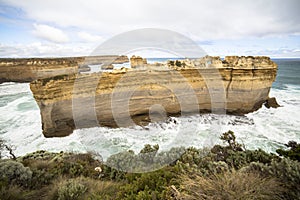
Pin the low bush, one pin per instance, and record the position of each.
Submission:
(293, 152)
(222, 172)
(83, 188)
(286, 171)
(151, 185)
(14, 173)
(69, 189)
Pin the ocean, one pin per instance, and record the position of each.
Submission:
(268, 129)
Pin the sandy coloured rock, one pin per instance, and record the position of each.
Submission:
(29, 69)
(235, 85)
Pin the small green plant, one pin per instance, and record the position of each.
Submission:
(148, 153)
(171, 63)
(286, 171)
(229, 137)
(58, 77)
(293, 152)
(70, 190)
(178, 63)
(129, 161)
(151, 185)
(47, 166)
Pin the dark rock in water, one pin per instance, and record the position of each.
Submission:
(84, 68)
(271, 103)
(106, 67)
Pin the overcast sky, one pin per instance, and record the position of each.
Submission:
(228, 27)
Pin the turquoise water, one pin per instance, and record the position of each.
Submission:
(20, 123)
(288, 73)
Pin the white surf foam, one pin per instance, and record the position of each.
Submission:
(20, 125)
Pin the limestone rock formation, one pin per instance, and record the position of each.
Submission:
(237, 85)
(29, 69)
(137, 61)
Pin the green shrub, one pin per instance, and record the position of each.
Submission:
(293, 152)
(170, 157)
(40, 178)
(259, 156)
(229, 137)
(145, 195)
(46, 166)
(235, 155)
(40, 155)
(123, 161)
(151, 185)
(15, 172)
(74, 165)
(69, 190)
(148, 153)
(128, 161)
(83, 188)
(191, 156)
(213, 168)
(171, 63)
(110, 173)
(286, 171)
(178, 63)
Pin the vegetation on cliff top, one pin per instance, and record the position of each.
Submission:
(222, 172)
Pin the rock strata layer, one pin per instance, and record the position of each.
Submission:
(29, 69)
(236, 85)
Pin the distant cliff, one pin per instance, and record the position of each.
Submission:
(29, 69)
(65, 101)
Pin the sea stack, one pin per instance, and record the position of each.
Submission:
(185, 87)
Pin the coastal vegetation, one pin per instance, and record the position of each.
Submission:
(227, 171)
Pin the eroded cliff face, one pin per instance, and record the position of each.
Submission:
(237, 85)
(137, 61)
(29, 69)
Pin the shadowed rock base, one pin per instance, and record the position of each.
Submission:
(271, 103)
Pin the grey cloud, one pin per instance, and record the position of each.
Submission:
(205, 20)
(43, 50)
